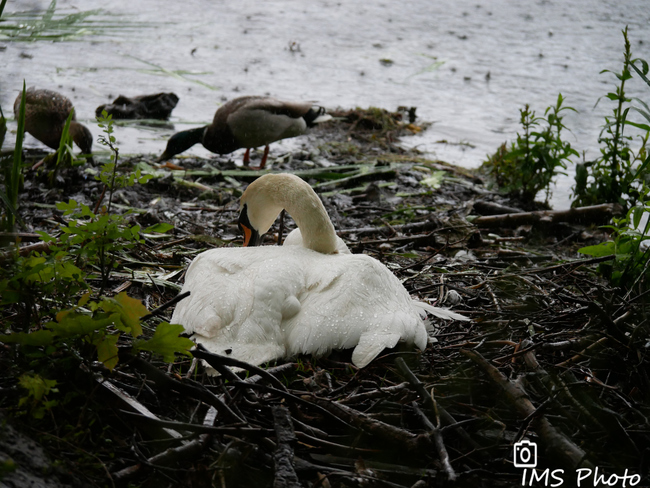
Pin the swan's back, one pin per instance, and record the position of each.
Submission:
(265, 303)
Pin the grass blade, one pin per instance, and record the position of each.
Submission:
(12, 175)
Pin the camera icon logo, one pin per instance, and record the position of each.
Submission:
(525, 454)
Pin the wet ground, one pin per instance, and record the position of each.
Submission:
(468, 66)
(543, 322)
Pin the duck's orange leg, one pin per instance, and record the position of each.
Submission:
(247, 156)
(266, 155)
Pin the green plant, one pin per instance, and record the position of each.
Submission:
(99, 236)
(45, 287)
(618, 175)
(100, 324)
(88, 244)
(12, 171)
(39, 284)
(37, 390)
(47, 25)
(529, 165)
(629, 245)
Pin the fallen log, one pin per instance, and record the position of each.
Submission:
(556, 443)
(595, 214)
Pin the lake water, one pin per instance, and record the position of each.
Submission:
(468, 66)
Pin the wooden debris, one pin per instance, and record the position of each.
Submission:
(596, 214)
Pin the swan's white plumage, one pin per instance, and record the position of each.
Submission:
(257, 304)
(294, 238)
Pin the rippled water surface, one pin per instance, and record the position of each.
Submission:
(468, 66)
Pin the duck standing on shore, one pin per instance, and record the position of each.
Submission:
(310, 296)
(248, 122)
(46, 112)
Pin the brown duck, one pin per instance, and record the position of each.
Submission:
(248, 122)
(46, 112)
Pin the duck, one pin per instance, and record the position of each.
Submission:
(310, 296)
(46, 112)
(248, 122)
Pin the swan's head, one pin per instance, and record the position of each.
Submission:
(265, 198)
(259, 207)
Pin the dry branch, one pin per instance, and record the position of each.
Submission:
(187, 387)
(407, 441)
(285, 474)
(556, 443)
(595, 214)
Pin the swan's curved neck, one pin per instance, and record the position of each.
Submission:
(268, 195)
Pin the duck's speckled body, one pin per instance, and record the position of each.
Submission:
(46, 112)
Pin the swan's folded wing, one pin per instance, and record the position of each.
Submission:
(238, 300)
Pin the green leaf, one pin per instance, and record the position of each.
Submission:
(107, 350)
(160, 228)
(645, 127)
(637, 214)
(39, 338)
(84, 299)
(599, 250)
(37, 387)
(434, 181)
(130, 311)
(70, 323)
(166, 342)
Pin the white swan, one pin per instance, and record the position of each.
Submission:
(309, 296)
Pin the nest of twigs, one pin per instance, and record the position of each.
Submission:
(552, 355)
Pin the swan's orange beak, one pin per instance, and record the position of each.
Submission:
(248, 233)
(251, 236)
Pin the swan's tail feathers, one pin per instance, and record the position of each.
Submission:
(441, 313)
(370, 345)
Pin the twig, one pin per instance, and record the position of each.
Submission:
(165, 306)
(231, 430)
(285, 474)
(186, 387)
(407, 440)
(581, 355)
(438, 442)
(191, 450)
(215, 360)
(378, 393)
(294, 398)
(434, 429)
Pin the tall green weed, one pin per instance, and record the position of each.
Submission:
(529, 165)
(11, 168)
(620, 173)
